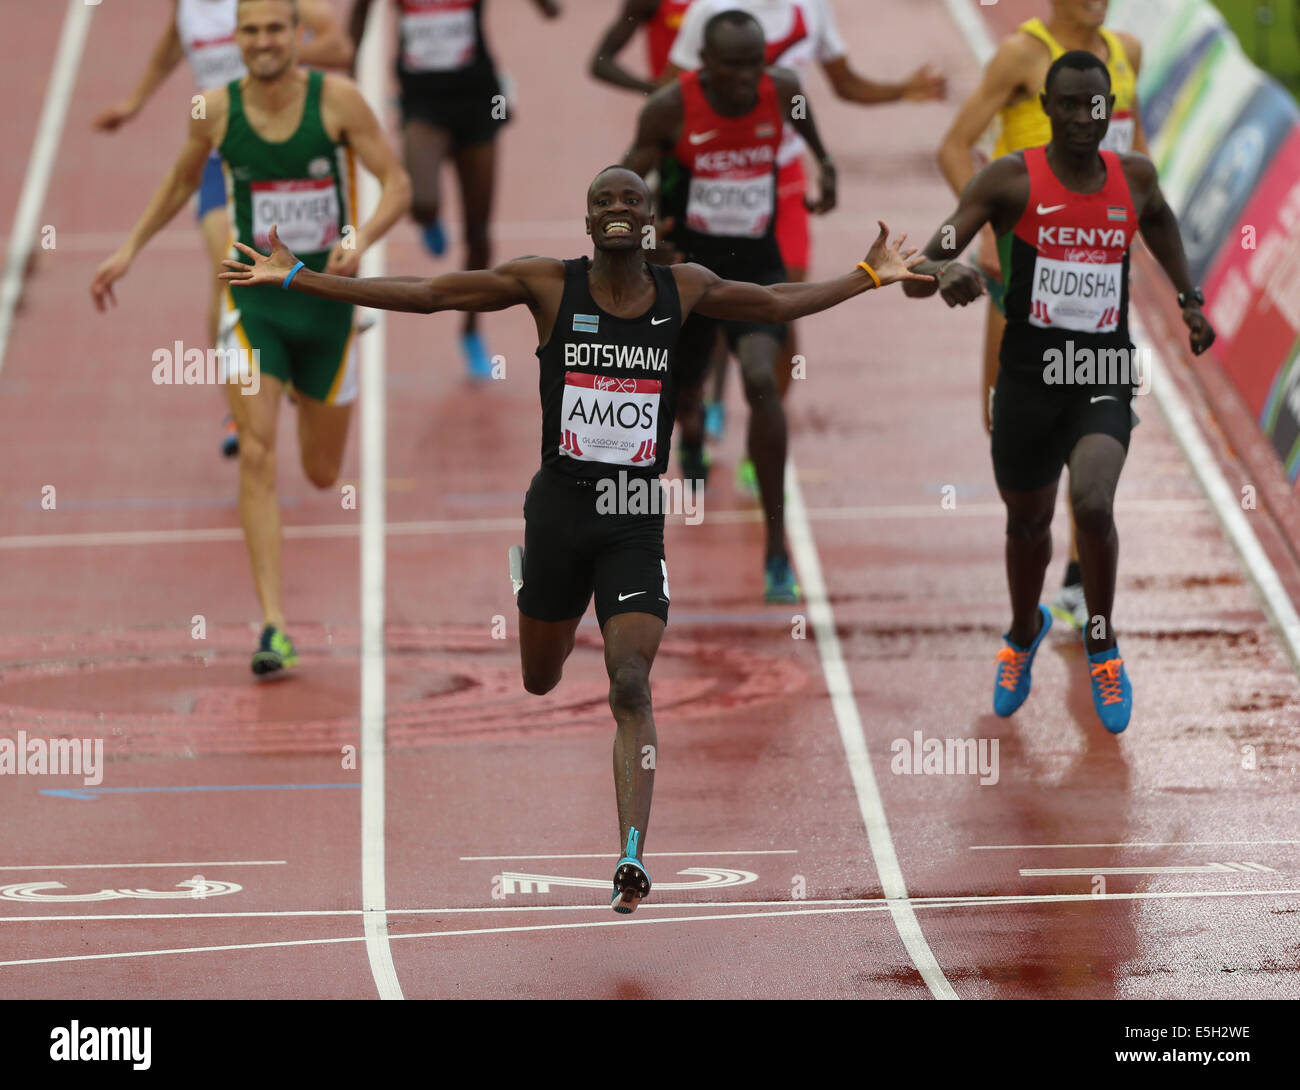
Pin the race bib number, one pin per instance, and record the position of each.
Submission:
(1077, 295)
(305, 213)
(216, 63)
(442, 40)
(1119, 137)
(610, 419)
(732, 207)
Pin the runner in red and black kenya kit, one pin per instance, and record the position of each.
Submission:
(1067, 370)
(607, 327)
(724, 125)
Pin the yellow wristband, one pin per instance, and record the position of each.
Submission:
(870, 272)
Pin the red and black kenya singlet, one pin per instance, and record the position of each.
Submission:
(1069, 263)
(728, 199)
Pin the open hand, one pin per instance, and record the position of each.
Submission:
(101, 288)
(266, 268)
(891, 262)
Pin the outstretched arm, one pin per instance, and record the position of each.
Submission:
(707, 294)
(168, 199)
(329, 46)
(604, 63)
(993, 190)
(799, 112)
(166, 55)
(508, 285)
(1159, 227)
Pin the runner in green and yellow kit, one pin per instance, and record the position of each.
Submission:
(287, 137)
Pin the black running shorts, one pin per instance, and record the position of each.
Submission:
(579, 538)
(1036, 425)
(699, 333)
(470, 119)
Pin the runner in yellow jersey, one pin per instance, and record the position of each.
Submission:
(1009, 93)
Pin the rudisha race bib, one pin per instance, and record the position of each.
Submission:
(305, 213)
(610, 419)
(438, 39)
(1078, 284)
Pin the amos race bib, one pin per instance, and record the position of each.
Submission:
(438, 36)
(305, 213)
(610, 419)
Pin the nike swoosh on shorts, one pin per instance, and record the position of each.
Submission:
(625, 597)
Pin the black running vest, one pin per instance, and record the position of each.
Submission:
(608, 385)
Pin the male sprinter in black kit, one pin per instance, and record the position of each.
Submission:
(607, 328)
(1072, 211)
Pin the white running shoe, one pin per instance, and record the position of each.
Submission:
(517, 567)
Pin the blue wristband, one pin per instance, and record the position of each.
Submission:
(292, 273)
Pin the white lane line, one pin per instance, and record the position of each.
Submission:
(1132, 844)
(512, 525)
(845, 707)
(614, 855)
(1226, 503)
(1197, 868)
(373, 486)
(132, 866)
(49, 131)
(837, 908)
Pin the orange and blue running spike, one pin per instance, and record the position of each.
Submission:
(631, 879)
(1112, 694)
(1014, 666)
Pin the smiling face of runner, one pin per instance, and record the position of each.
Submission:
(618, 210)
(733, 61)
(1086, 14)
(1073, 98)
(267, 33)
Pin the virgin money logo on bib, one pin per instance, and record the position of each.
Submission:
(610, 419)
(304, 212)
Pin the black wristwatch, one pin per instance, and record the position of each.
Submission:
(1194, 296)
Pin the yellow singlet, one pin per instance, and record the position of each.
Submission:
(1024, 125)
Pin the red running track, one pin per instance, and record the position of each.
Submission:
(499, 806)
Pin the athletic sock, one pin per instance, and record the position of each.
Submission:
(1073, 577)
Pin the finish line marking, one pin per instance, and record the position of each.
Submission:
(875, 906)
(614, 855)
(1203, 868)
(879, 905)
(131, 866)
